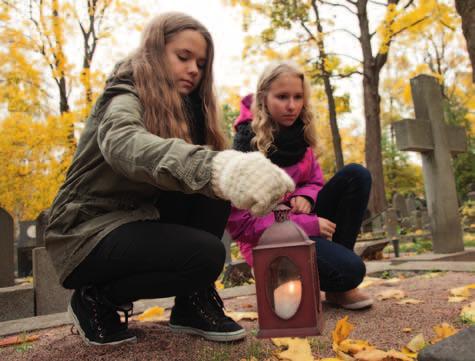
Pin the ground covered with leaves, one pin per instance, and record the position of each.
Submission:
(411, 310)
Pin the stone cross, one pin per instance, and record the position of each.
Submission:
(6, 249)
(436, 141)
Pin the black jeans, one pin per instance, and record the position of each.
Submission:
(343, 200)
(180, 253)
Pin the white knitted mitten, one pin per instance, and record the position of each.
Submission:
(249, 180)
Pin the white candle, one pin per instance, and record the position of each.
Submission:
(287, 299)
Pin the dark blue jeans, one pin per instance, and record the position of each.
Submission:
(343, 200)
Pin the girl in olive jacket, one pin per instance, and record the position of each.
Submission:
(146, 199)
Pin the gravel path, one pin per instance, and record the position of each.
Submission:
(382, 325)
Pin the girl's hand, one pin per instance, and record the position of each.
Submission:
(300, 204)
(249, 180)
(327, 228)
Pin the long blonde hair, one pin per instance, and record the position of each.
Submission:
(262, 124)
(165, 113)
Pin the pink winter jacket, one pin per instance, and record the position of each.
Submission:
(246, 229)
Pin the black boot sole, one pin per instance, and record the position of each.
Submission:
(77, 325)
(209, 335)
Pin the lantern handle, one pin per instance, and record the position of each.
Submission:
(281, 213)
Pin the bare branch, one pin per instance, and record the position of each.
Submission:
(409, 3)
(348, 32)
(377, 3)
(347, 56)
(339, 5)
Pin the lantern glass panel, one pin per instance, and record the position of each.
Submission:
(284, 287)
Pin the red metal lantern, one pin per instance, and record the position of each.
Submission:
(287, 285)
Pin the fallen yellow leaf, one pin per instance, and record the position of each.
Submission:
(409, 301)
(298, 349)
(342, 330)
(471, 286)
(460, 292)
(432, 274)
(371, 355)
(408, 352)
(154, 313)
(407, 329)
(369, 281)
(352, 347)
(392, 281)
(468, 312)
(455, 299)
(238, 316)
(329, 359)
(417, 343)
(219, 285)
(343, 356)
(398, 356)
(442, 331)
(396, 294)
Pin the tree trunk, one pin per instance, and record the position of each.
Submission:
(339, 161)
(466, 9)
(336, 139)
(373, 152)
(373, 149)
(63, 96)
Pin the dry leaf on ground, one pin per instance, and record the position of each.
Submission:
(398, 356)
(409, 301)
(417, 343)
(468, 312)
(352, 347)
(152, 314)
(342, 330)
(15, 340)
(442, 331)
(396, 294)
(369, 281)
(298, 349)
(238, 316)
(460, 292)
(407, 329)
(392, 281)
(219, 285)
(371, 355)
(455, 299)
(432, 275)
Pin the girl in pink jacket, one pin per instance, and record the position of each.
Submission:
(281, 126)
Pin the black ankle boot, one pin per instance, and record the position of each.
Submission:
(202, 314)
(96, 318)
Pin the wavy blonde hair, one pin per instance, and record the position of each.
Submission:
(262, 124)
(165, 112)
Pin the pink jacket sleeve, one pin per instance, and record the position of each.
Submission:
(310, 186)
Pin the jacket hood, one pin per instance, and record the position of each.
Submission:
(245, 114)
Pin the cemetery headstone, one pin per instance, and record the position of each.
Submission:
(50, 296)
(411, 204)
(6, 247)
(436, 141)
(25, 244)
(391, 224)
(458, 347)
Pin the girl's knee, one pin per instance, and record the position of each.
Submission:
(357, 272)
(358, 171)
(214, 257)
